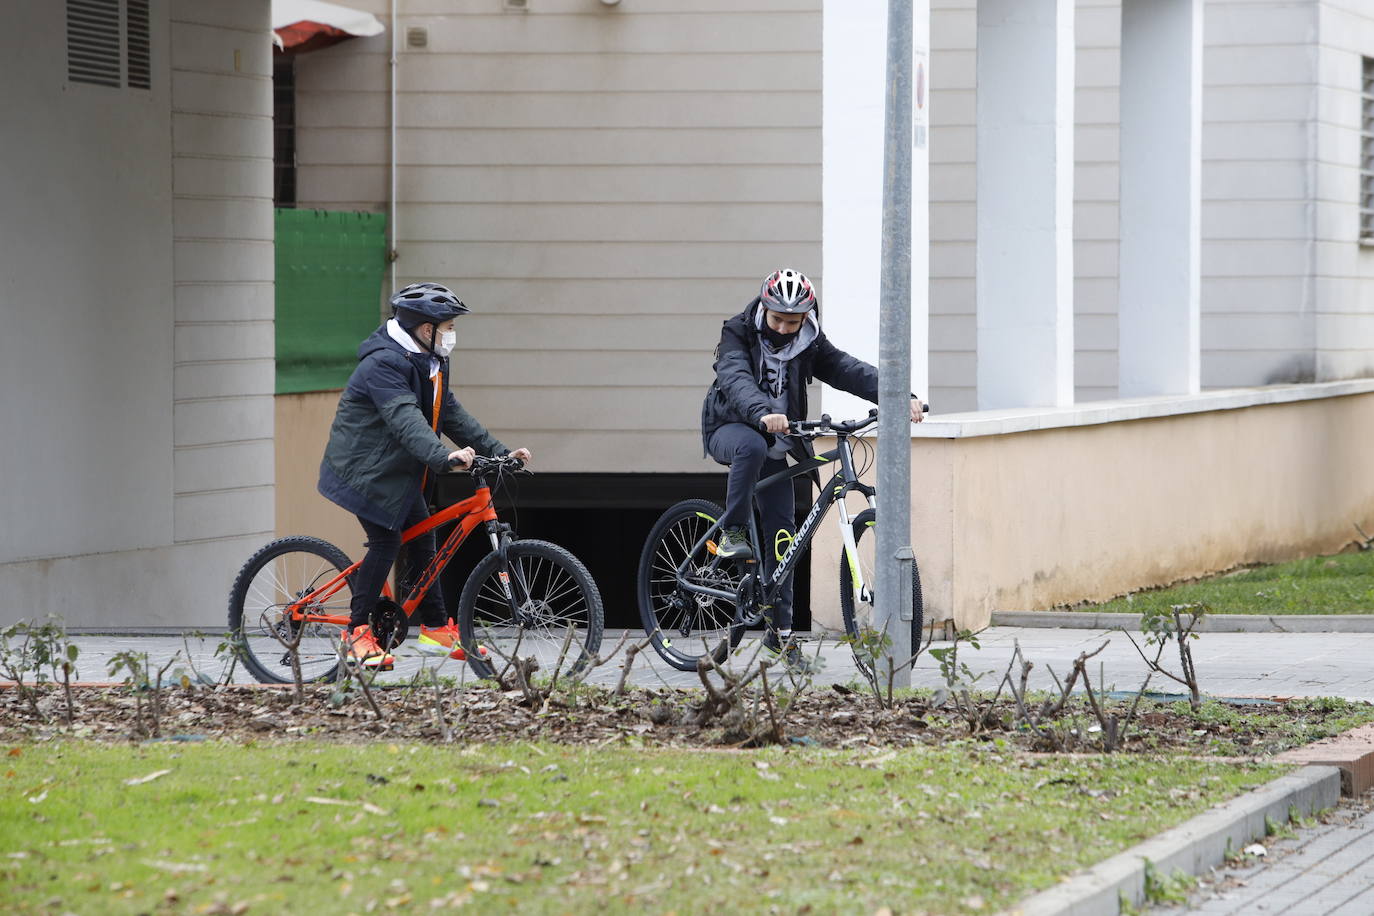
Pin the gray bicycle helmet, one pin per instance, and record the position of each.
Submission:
(421, 302)
(787, 291)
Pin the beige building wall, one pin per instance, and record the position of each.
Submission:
(1031, 520)
(602, 184)
(302, 423)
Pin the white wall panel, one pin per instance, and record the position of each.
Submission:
(86, 295)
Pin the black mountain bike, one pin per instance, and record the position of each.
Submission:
(693, 603)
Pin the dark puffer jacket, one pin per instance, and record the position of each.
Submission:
(738, 395)
(383, 435)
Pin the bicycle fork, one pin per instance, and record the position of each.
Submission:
(515, 591)
(862, 593)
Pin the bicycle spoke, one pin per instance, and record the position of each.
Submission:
(288, 573)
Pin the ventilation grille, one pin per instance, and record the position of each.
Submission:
(140, 74)
(108, 43)
(1367, 153)
(93, 42)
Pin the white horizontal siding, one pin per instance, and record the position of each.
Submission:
(1262, 132)
(469, 107)
(1344, 282)
(564, 146)
(223, 268)
(603, 185)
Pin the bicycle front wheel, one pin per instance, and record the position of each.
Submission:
(683, 625)
(552, 596)
(858, 611)
(280, 574)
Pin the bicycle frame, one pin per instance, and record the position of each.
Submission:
(844, 481)
(469, 513)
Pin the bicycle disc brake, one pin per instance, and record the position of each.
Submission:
(389, 624)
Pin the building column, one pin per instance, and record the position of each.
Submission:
(1161, 201)
(1025, 203)
(854, 91)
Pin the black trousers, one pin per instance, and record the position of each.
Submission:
(383, 547)
(745, 450)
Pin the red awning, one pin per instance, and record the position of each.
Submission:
(303, 25)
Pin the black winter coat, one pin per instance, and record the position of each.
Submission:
(383, 437)
(738, 394)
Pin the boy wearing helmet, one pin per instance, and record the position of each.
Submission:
(766, 357)
(384, 447)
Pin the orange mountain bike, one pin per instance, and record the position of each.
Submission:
(523, 598)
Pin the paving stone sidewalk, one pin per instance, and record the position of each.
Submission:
(1324, 870)
(1228, 664)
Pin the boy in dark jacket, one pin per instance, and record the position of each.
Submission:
(767, 356)
(383, 447)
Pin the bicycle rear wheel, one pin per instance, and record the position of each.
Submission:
(858, 614)
(684, 626)
(281, 573)
(554, 594)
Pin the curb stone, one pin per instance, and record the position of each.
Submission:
(1352, 751)
(1191, 847)
(1212, 623)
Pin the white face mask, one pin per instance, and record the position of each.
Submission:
(447, 340)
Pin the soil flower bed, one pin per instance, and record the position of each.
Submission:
(838, 716)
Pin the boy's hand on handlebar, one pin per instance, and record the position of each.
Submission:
(461, 459)
(775, 423)
(523, 454)
(918, 410)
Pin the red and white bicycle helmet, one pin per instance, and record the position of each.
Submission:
(788, 291)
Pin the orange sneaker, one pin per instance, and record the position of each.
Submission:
(360, 648)
(444, 641)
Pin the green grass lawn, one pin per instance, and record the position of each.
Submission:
(307, 827)
(1341, 584)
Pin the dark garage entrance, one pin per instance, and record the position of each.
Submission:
(603, 519)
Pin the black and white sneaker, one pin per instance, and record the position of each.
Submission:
(734, 545)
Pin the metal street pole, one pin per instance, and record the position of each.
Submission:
(894, 355)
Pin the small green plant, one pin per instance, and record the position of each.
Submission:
(191, 675)
(1178, 624)
(1164, 889)
(141, 679)
(959, 678)
(1281, 829)
(34, 651)
(955, 673)
(869, 646)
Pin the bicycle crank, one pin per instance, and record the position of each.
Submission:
(390, 625)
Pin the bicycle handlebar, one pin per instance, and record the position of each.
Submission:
(483, 466)
(826, 425)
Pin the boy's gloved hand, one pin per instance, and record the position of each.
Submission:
(775, 423)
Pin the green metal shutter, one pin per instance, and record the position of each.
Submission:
(330, 268)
